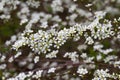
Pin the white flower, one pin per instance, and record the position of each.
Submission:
(33, 3)
(96, 79)
(72, 7)
(72, 55)
(2, 5)
(88, 5)
(57, 5)
(18, 54)
(51, 70)
(38, 74)
(100, 14)
(117, 64)
(52, 54)
(89, 40)
(19, 43)
(10, 59)
(106, 51)
(3, 66)
(21, 76)
(89, 60)
(99, 57)
(110, 58)
(2, 59)
(82, 71)
(74, 0)
(97, 46)
(23, 21)
(83, 55)
(44, 24)
(36, 59)
(7, 43)
(102, 74)
(82, 47)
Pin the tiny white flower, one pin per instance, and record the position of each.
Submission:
(51, 70)
(36, 59)
(82, 71)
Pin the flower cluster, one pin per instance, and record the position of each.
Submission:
(60, 40)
